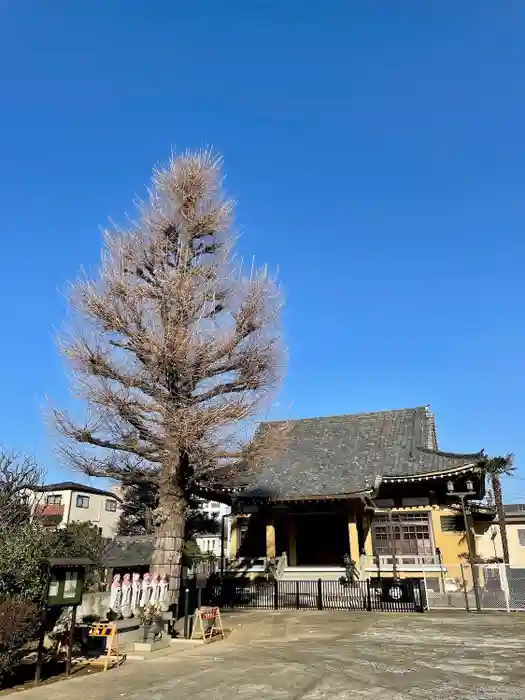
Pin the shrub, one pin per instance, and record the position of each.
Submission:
(23, 552)
(19, 624)
(81, 539)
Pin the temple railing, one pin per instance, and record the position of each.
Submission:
(282, 563)
(406, 562)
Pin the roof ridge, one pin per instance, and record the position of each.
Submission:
(346, 415)
(442, 453)
(65, 483)
(430, 428)
(77, 486)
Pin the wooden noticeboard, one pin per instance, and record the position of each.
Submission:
(208, 624)
(66, 586)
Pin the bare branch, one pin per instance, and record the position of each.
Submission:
(19, 476)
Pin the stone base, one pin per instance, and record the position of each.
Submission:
(163, 643)
(180, 641)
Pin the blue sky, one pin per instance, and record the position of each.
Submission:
(377, 152)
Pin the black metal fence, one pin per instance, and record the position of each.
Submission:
(407, 595)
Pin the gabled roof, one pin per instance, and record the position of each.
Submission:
(128, 551)
(514, 513)
(73, 486)
(350, 454)
(510, 508)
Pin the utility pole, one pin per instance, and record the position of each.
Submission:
(392, 533)
(462, 495)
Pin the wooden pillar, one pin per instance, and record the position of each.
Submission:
(292, 540)
(270, 539)
(233, 539)
(367, 531)
(353, 539)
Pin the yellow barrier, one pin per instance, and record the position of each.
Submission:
(109, 631)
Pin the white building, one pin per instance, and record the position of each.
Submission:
(210, 543)
(214, 509)
(57, 505)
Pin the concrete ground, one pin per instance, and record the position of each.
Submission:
(337, 655)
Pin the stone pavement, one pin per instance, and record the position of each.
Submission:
(337, 655)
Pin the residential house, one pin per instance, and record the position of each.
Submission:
(56, 505)
(488, 538)
(366, 485)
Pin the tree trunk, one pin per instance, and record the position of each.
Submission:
(169, 538)
(498, 500)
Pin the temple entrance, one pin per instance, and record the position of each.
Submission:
(322, 540)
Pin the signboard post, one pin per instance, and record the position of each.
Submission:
(64, 588)
(208, 623)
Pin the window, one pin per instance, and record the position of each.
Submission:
(407, 533)
(521, 537)
(111, 506)
(452, 523)
(82, 501)
(54, 499)
(420, 516)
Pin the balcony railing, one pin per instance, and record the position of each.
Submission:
(49, 511)
(404, 562)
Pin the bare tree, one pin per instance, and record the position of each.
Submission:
(176, 352)
(19, 476)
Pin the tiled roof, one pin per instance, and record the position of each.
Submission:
(510, 508)
(347, 454)
(514, 513)
(128, 552)
(81, 488)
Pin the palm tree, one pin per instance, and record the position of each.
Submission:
(495, 468)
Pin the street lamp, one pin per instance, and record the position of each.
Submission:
(470, 488)
(462, 495)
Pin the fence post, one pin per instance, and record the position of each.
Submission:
(477, 596)
(464, 588)
(426, 589)
(297, 601)
(186, 612)
(423, 598)
(276, 594)
(504, 584)
(71, 636)
(199, 597)
(319, 594)
(368, 596)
